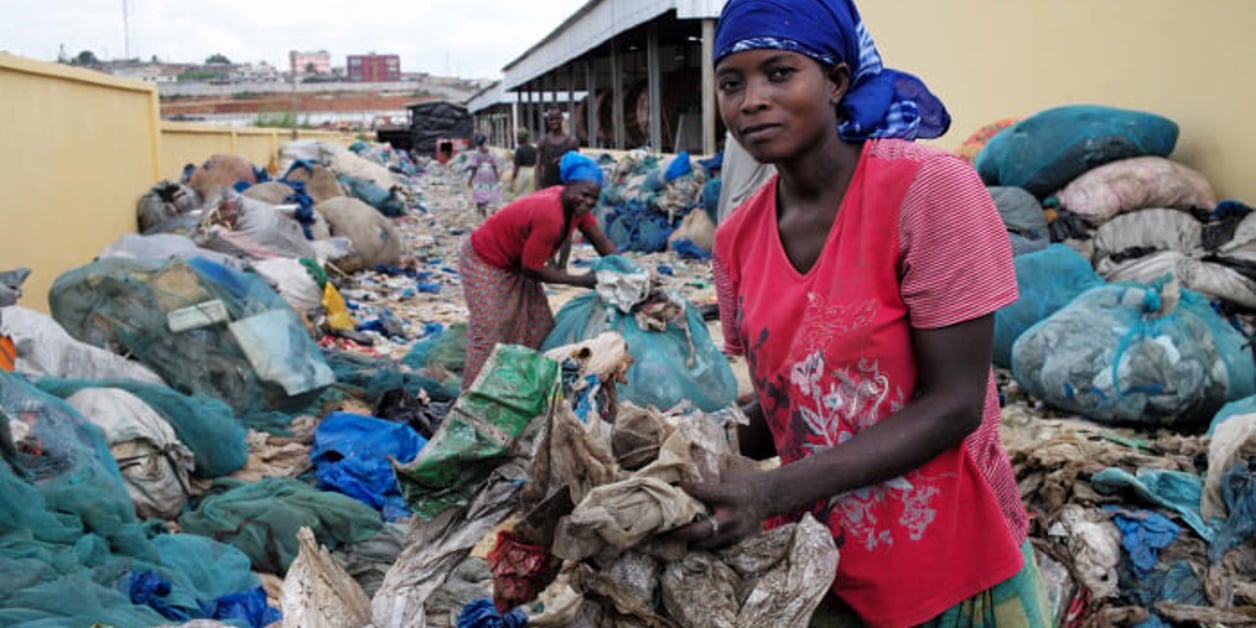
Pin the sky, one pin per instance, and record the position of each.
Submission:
(466, 38)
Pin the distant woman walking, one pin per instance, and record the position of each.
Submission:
(485, 179)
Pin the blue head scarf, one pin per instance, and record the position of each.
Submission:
(880, 102)
(576, 167)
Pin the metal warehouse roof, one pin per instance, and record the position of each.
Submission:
(594, 24)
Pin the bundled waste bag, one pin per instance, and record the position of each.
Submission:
(352, 455)
(674, 359)
(42, 347)
(375, 240)
(1133, 184)
(251, 349)
(217, 439)
(164, 201)
(1023, 217)
(262, 519)
(154, 464)
(1214, 258)
(1149, 354)
(1046, 151)
(239, 225)
(388, 202)
(1047, 280)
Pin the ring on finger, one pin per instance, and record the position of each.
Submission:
(715, 524)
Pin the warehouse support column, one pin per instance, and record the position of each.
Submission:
(572, 122)
(590, 101)
(708, 88)
(617, 96)
(655, 86)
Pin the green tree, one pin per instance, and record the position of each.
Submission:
(85, 57)
(217, 57)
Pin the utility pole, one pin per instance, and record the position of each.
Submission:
(126, 33)
(292, 61)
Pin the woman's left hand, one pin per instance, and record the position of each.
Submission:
(737, 507)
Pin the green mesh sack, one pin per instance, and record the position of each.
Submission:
(444, 353)
(261, 519)
(482, 430)
(70, 542)
(205, 425)
(205, 328)
(375, 376)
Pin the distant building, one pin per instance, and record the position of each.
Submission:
(148, 72)
(259, 73)
(312, 62)
(373, 68)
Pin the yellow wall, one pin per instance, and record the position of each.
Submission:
(993, 59)
(81, 147)
(191, 143)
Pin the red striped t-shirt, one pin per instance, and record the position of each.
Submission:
(917, 243)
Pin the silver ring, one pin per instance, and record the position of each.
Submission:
(715, 524)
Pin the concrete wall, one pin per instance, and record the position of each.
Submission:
(993, 59)
(81, 147)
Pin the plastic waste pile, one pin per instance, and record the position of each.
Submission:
(1131, 336)
(644, 202)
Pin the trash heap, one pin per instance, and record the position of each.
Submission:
(576, 512)
(162, 432)
(1134, 314)
(227, 389)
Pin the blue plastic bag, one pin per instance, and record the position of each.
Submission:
(351, 456)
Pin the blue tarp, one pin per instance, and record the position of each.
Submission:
(351, 456)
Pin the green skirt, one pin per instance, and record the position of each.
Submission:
(1018, 601)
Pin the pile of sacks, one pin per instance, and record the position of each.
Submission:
(647, 207)
(1133, 314)
(1129, 317)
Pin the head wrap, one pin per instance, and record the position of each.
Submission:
(480, 139)
(576, 167)
(880, 102)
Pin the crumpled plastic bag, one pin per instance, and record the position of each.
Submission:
(621, 515)
(1233, 441)
(1096, 545)
(317, 593)
(621, 282)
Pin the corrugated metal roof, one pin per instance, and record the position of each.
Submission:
(591, 26)
(496, 94)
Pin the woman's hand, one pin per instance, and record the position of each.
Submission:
(736, 509)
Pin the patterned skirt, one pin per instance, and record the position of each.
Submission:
(505, 307)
